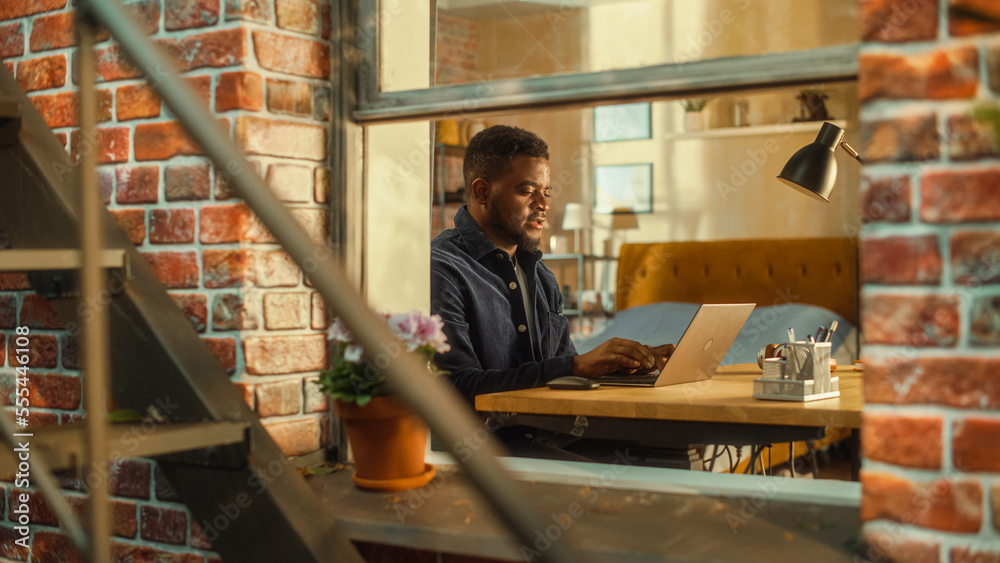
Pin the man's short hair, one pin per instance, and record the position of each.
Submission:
(491, 151)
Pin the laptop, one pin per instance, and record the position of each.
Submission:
(700, 350)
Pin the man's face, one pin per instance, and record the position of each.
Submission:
(517, 204)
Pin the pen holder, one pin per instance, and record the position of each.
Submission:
(800, 373)
(807, 360)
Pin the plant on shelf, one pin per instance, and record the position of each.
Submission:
(387, 439)
(694, 119)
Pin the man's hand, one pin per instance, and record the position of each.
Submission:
(662, 353)
(620, 356)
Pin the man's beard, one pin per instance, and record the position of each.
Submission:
(511, 230)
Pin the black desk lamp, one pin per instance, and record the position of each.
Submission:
(813, 169)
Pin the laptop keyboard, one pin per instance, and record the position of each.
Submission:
(629, 378)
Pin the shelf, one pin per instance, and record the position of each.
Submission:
(722, 132)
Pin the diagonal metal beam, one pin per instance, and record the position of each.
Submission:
(445, 413)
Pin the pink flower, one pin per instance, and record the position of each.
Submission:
(416, 329)
(353, 353)
(339, 332)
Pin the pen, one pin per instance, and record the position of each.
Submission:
(819, 334)
(791, 334)
(812, 339)
(829, 333)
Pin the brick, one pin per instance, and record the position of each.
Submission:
(168, 226)
(37, 312)
(136, 102)
(43, 351)
(132, 553)
(228, 268)
(970, 138)
(161, 141)
(11, 40)
(321, 185)
(195, 307)
(993, 66)
(239, 90)
(910, 320)
(12, 550)
(186, 14)
(291, 182)
(984, 330)
(969, 448)
(14, 281)
(275, 269)
(902, 139)
(230, 223)
(974, 257)
(279, 398)
(70, 352)
(249, 10)
(944, 504)
(272, 137)
(901, 260)
(315, 399)
(315, 222)
(224, 350)
(130, 478)
(298, 15)
(213, 49)
(276, 355)
(133, 222)
(198, 539)
(56, 31)
(292, 55)
(11, 9)
(123, 519)
(231, 311)
(949, 196)
(961, 554)
(42, 419)
(175, 270)
(38, 510)
(326, 22)
(8, 312)
(972, 17)
(291, 97)
(907, 441)
(111, 144)
(137, 184)
(60, 109)
(106, 182)
(10, 67)
(995, 502)
(939, 74)
(162, 524)
(884, 546)
(112, 65)
(295, 437)
(885, 199)
(52, 547)
(145, 14)
(187, 182)
(286, 310)
(42, 73)
(960, 382)
(897, 21)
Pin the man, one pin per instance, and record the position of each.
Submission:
(501, 306)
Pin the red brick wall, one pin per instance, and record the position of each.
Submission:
(930, 268)
(457, 45)
(263, 67)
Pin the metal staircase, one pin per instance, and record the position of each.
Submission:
(210, 445)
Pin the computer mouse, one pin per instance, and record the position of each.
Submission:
(573, 382)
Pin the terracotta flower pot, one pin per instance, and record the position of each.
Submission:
(388, 441)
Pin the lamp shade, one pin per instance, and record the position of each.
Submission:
(576, 216)
(813, 169)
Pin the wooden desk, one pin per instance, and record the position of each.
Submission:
(720, 410)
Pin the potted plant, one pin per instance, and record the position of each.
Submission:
(388, 440)
(694, 119)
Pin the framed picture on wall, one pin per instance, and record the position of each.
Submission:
(624, 122)
(623, 187)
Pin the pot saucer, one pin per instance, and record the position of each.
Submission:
(401, 484)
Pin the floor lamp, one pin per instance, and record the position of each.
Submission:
(576, 217)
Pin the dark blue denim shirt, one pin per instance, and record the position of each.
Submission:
(473, 288)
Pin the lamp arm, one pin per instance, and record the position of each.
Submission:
(850, 150)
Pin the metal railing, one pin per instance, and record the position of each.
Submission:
(442, 409)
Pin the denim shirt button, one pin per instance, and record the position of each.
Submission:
(513, 285)
(521, 328)
(500, 255)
